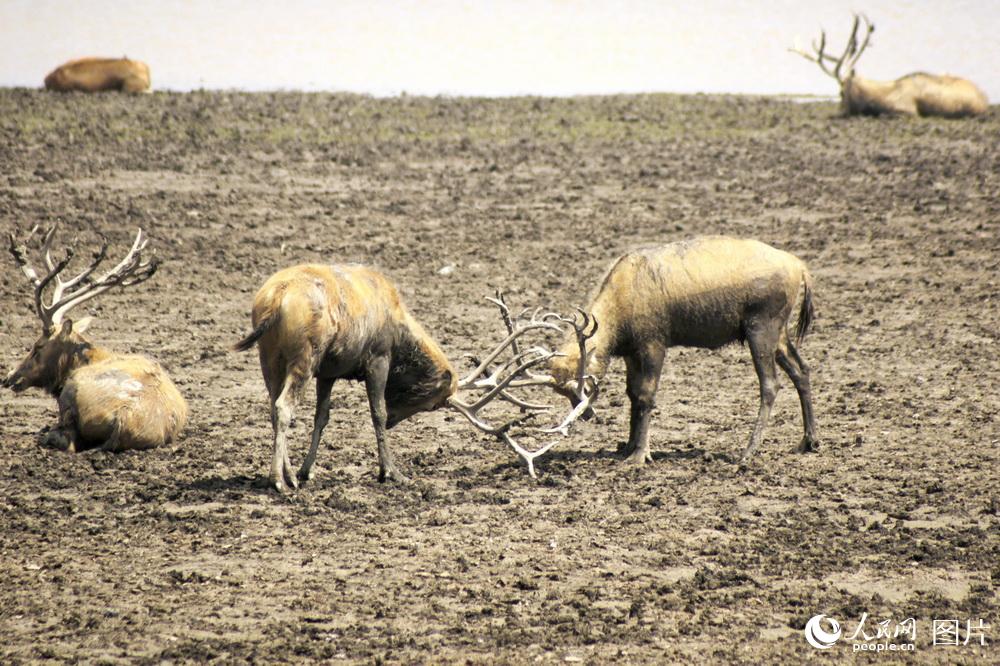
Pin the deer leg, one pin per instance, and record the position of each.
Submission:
(642, 378)
(796, 369)
(112, 444)
(65, 436)
(282, 412)
(62, 439)
(375, 380)
(762, 343)
(323, 388)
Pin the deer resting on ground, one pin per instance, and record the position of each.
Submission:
(349, 322)
(914, 94)
(107, 401)
(98, 75)
(706, 292)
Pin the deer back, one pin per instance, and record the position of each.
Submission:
(693, 293)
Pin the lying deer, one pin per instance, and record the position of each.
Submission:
(706, 292)
(349, 322)
(914, 94)
(98, 75)
(107, 401)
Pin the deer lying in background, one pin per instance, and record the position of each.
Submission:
(706, 292)
(914, 94)
(98, 75)
(348, 322)
(107, 401)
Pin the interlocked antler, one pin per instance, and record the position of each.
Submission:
(129, 271)
(852, 52)
(517, 372)
(584, 329)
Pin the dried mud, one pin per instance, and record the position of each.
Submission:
(186, 555)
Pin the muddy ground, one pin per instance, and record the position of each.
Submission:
(186, 554)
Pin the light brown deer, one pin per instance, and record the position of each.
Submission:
(914, 94)
(706, 292)
(107, 401)
(349, 322)
(98, 75)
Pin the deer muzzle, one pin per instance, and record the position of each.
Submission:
(14, 381)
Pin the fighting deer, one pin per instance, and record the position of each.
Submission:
(98, 75)
(706, 292)
(349, 322)
(914, 94)
(107, 401)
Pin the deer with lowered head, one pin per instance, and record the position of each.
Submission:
(917, 94)
(348, 321)
(107, 401)
(707, 292)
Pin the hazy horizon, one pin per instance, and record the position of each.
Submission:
(490, 48)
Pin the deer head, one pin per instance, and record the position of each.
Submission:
(843, 67)
(496, 380)
(60, 347)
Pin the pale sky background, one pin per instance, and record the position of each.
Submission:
(493, 47)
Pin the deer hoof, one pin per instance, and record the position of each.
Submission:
(57, 439)
(392, 474)
(289, 476)
(639, 458)
(808, 445)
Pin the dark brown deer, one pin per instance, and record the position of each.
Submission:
(106, 401)
(349, 322)
(914, 94)
(706, 292)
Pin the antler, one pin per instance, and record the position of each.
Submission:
(129, 271)
(584, 329)
(516, 372)
(854, 49)
(852, 52)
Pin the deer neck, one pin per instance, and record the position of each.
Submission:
(86, 353)
(80, 353)
(598, 348)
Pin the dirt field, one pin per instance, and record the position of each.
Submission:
(187, 555)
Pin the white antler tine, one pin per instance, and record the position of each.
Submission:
(47, 247)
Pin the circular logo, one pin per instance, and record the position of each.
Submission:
(819, 637)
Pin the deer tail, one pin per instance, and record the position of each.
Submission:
(807, 313)
(263, 327)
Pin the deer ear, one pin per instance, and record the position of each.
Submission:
(66, 328)
(82, 325)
